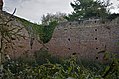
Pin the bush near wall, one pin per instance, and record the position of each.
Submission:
(67, 69)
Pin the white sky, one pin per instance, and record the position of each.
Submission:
(34, 9)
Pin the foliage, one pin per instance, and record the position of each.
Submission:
(113, 16)
(42, 33)
(43, 56)
(85, 9)
(47, 31)
(9, 32)
(31, 27)
(59, 17)
(68, 68)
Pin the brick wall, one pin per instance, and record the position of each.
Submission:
(86, 38)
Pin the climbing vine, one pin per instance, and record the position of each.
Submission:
(42, 32)
(47, 31)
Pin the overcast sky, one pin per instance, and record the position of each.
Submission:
(33, 9)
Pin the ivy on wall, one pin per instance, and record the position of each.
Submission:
(43, 32)
(47, 31)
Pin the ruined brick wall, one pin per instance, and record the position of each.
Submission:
(21, 46)
(86, 38)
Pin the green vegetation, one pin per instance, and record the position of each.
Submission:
(8, 33)
(59, 17)
(47, 31)
(60, 70)
(43, 57)
(42, 32)
(113, 16)
(85, 9)
(37, 29)
(45, 66)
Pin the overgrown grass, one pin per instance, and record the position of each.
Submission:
(45, 66)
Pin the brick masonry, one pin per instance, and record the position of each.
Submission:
(86, 38)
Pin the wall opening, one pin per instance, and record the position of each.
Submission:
(96, 29)
(95, 38)
(96, 48)
(103, 22)
(68, 39)
(73, 53)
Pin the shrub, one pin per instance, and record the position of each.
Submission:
(43, 56)
(68, 69)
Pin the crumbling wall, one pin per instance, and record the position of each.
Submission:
(86, 38)
(20, 46)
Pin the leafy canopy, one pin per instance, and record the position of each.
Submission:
(85, 9)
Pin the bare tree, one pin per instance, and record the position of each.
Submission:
(1, 4)
(8, 33)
